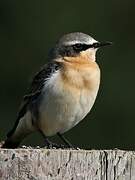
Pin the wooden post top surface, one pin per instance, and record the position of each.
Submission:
(45, 164)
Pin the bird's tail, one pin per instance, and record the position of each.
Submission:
(18, 133)
(14, 139)
(10, 144)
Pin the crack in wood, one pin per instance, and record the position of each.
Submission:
(42, 164)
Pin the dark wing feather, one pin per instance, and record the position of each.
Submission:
(35, 90)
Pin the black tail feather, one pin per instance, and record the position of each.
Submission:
(9, 144)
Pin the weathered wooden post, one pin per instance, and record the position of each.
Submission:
(44, 164)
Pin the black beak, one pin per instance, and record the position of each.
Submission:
(101, 44)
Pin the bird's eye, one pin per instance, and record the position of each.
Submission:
(78, 47)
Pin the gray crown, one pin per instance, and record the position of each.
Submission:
(75, 37)
(64, 45)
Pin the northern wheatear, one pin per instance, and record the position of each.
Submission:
(62, 92)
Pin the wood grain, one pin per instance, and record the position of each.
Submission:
(44, 164)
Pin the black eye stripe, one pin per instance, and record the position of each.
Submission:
(95, 45)
(73, 50)
(80, 47)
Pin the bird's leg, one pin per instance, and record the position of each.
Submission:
(68, 144)
(49, 144)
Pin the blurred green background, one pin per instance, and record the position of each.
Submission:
(28, 29)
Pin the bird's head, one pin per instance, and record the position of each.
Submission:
(77, 44)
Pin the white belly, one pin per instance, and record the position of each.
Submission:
(61, 108)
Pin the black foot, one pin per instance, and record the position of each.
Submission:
(68, 144)
(52, 145)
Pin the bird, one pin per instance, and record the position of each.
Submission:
(62, 93)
